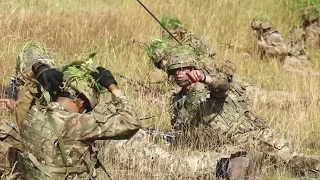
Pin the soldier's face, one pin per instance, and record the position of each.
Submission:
(177, 35)
(163, 63)
(182, 78)
(256, 33)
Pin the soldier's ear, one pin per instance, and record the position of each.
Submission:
(82, 103)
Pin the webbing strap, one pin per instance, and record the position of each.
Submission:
(60, 141)
(38, 165)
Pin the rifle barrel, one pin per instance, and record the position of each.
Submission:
(154, 17)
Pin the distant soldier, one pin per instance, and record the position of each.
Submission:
(207, 101)
(269, 41)
(298, 59)
(57, 139)
(311, 26)
(271, 44)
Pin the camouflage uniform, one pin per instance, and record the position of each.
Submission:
(222, 108)
(159, 49)
(271, 98)
(298, 59)
(272, 44)
(151, 158)
(10, 147)
(311, 27)
(29, 92)
(9, 131)
(44, 159)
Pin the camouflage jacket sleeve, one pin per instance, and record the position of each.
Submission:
(273, 44)
(26, 97)
(220, 84)
(115, 120)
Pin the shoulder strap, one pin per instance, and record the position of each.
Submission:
(270, 32)
(57, 133)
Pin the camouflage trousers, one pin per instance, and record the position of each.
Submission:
(273, 144)
(312, 35)
(299, 65)
(160, 163)
(5, 165)
(252, 133)
(10, 166)
(260, 96)
(10, 146)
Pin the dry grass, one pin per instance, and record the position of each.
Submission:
(75, 28)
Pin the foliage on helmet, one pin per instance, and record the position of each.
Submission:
(182, 57)
(156, 44)
(315, 3)
(30, 52)
(261, 21)
(313, 12)
(171, 22)
(79, 71)
(77, 77)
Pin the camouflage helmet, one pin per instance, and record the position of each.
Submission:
(31, 53)
(182, 60)
(156, 50)
(173, 24)
(77, 80)
(310, 13)
(260, 23)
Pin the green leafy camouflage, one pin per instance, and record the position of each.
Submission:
(156, 44)
(25, 60)
(314, 11)
(170, 47)
(79, 72)
(262, 16)
(171, 22)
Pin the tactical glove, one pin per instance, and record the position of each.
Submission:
(104, 77)
(49, 79)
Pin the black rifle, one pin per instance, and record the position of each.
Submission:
(168, 136)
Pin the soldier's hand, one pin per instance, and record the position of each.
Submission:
(7, 104)
(196, 76)
(49, 79)
(104, 77)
